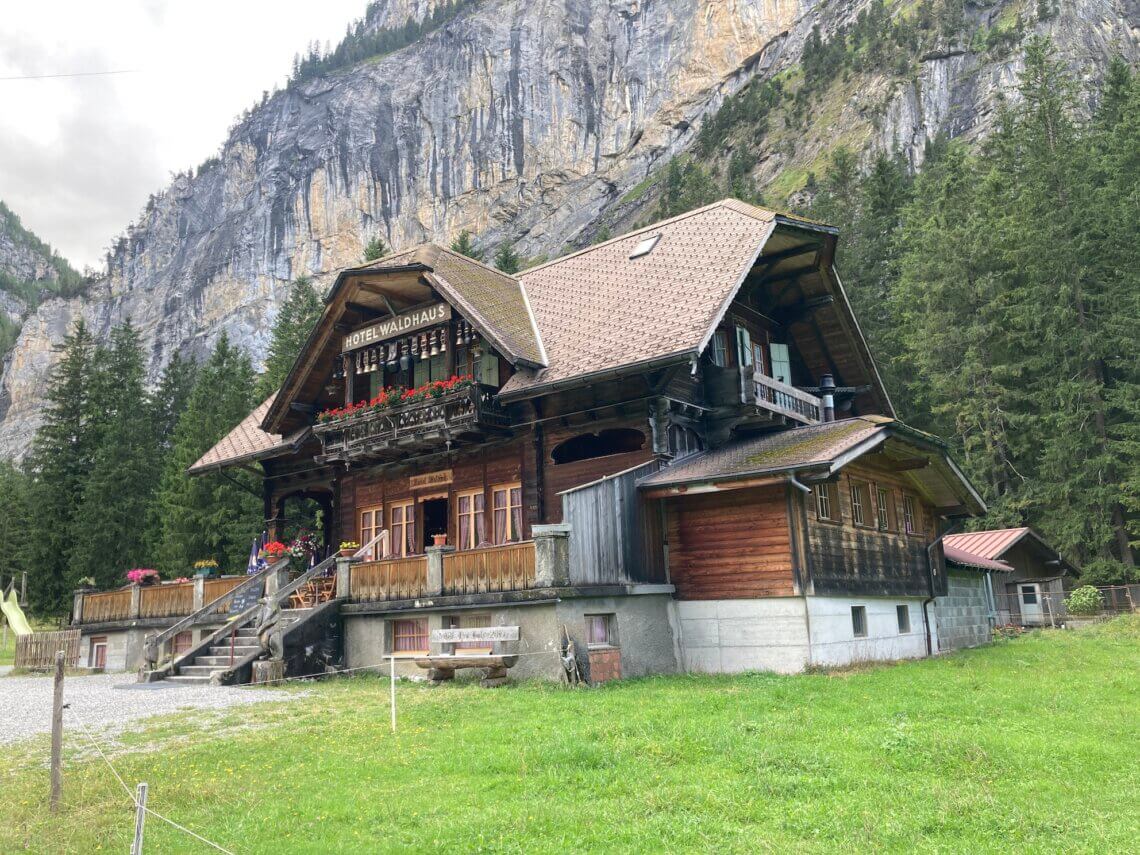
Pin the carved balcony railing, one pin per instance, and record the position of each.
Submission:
(771, 394)
(465, 415)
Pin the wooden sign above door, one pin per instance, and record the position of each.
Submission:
(430, 479)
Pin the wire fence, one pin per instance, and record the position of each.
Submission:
(1031, 604)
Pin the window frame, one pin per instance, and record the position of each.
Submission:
(608, 622)
(826, 490)
(97, 642)
(374, 528)
(859, 627)
(463, 621)
(470, 527)
(902, 617)
(719, 352)
(859, 508)
(416, 623)
(912, 515)
(403, 546)
(884, 509)
(517, 535)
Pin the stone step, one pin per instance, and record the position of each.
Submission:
(239, 650)
(216, 661)
(189, 681)
(198, 670)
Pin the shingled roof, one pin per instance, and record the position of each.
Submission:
(487, 297)
(812, 447)
(962, 558)
(818, 452)
(599, 309)
(248, 442)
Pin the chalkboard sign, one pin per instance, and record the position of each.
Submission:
(246, 597)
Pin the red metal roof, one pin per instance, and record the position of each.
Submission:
(967, 559)
(986, 544)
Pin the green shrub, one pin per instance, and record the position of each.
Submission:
(1085, 600)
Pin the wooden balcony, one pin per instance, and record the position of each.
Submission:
(468, 415)
(788, 401)
(107, 606)
(492, 570)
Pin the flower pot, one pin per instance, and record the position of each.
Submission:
(439, 539)
(347, 553)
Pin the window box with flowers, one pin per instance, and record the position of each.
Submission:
(206, 568)
(142, 576)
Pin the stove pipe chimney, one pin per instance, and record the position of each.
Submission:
(827, 394)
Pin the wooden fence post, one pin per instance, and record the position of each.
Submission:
(57, 732)
(140, 820)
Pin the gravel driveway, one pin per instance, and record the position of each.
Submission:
(106, 702)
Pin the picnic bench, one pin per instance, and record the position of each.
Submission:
(442, 666)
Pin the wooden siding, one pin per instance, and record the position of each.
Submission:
(499, 568)
(730, 545)
(615, 533)
(846, 559)
(214, 588)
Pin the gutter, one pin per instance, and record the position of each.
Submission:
(930, 582)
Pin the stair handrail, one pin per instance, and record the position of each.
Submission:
(276, 599)
(153, 642)
(361, 553)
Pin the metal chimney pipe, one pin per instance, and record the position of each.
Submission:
(827, 394)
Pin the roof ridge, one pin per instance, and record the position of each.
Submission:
(476, 262)
(720, 203)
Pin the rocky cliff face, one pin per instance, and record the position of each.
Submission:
(524, 121)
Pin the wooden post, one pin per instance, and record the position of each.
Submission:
(140, 820)
(57, 731)
(392, 661)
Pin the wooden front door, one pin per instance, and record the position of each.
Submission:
(98, 658)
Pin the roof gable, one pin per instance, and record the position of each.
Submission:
(248, 442)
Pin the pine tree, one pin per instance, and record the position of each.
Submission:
(291, 330)
(214, 515)
(374, 250)
(60, 461)
(465, 245)
(15, 522)
(109, 536)
(507, 260)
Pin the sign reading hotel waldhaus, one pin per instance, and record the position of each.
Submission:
(397, 325)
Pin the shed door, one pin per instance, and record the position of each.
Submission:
(1029, 598)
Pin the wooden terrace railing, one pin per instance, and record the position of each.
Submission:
(215, 588)
(497, 568)
(786, 400)
(108, 606)
(390, 579)
(159, 601)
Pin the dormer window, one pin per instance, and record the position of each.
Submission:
(644, 247)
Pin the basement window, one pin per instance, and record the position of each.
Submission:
(902, 612)
(859, 621)
(600, 631)
(644, 247)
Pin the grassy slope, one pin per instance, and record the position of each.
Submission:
(1029, 745)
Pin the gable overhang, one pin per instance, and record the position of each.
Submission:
(1050, 555)
(385, 290)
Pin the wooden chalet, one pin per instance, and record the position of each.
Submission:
(671, 450)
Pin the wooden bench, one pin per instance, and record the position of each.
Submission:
(442, 666)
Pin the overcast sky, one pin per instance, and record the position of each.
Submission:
(80, 155)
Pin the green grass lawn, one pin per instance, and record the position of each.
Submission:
(1028, 745)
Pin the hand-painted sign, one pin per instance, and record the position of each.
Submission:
(475, 633)
(430, 479)
(401, 324)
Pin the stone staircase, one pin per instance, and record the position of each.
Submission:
(220, 657)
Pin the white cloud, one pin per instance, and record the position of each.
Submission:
(79, 156)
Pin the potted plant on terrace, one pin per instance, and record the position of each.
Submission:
(142, 576)
(348, 548)
(439, 539)
(205, 568)
(273, 551)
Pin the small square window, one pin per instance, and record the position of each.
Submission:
(600, 631)
(410, 636)
(859, 621)
(903, 613)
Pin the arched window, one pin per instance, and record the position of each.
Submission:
(585, 446)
